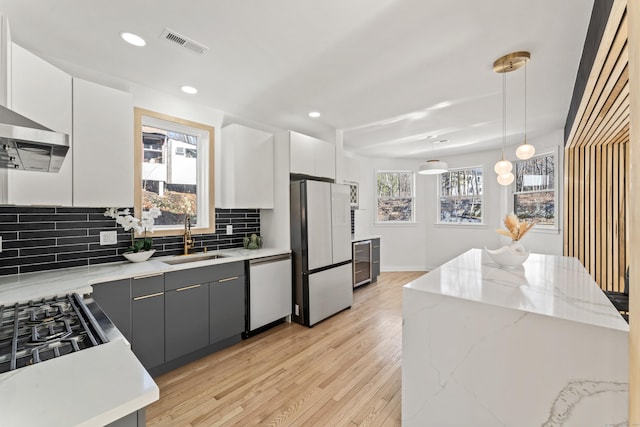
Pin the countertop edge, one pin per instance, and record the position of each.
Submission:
(22, 288)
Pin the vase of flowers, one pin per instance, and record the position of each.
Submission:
(141, 247)
(514, 254)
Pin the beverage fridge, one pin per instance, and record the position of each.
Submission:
(321, 246)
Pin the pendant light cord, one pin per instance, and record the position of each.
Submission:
(525, 102)
(504, 112)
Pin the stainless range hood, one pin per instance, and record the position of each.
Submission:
(27, 145)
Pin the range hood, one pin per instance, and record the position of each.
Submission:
(27, 145)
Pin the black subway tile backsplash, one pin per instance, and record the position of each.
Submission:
(49, 238)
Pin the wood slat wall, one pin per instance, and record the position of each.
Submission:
(597, 162)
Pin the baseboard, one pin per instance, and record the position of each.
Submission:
(405, 268)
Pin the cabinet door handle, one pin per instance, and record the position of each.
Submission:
(148, 296)
(376, 262)
(186, 288)
(227, 279)
(144, 276)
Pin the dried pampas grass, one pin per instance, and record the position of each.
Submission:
(515, 229)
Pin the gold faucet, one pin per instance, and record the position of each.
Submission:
(189, 243)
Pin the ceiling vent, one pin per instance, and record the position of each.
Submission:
(180, 40)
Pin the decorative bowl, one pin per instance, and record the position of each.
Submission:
(139, 256)
(508, 256)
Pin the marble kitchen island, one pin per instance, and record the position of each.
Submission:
(540, 345)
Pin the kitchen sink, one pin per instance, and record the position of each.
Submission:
(183, 259)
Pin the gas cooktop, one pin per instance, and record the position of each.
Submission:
(40, 330)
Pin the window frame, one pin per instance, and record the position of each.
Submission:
(413, 197)
(556, 208)
(206, 171)
(439, 222)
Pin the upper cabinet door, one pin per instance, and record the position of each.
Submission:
(42, 93)
(247, 168)
(311, 156)
(302, 154)
(102, 146)
(325, 159)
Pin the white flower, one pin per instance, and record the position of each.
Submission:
(129, 222)
(111, 212)
(147, 222)
(155, 212)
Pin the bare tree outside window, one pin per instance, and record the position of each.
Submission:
(461, 196)
(534, 194)
(395, 193)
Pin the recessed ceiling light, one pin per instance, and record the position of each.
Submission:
(189, 89)
(314, 114)
(442, 141)
(133, 39)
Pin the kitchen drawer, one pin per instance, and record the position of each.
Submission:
(177, 279)
(226, 271)
(147, 285)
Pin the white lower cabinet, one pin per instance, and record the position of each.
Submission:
(42, 93)
(102, 145)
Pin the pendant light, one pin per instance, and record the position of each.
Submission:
(506, 64)
(433, 167)
(525, 150)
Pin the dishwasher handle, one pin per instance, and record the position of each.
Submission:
(265, 260)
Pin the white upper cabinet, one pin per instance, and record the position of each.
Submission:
(311, 156)
(5, 61)
(102, 146)
(246, 168)
(42, 93)
(351, 169)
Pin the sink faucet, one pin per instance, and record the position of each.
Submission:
(189, 243)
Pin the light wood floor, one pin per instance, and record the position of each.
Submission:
(345, 371)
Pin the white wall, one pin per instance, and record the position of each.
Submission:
(426, 244)
(402, 247)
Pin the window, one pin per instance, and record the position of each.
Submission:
(461, 196)
(395, 196)
(534, 195)
(174, 171)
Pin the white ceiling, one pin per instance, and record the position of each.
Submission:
(387, 72)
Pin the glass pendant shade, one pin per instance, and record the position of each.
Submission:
(433, 167)
(505, 178)
(502, 167)
(525, 151)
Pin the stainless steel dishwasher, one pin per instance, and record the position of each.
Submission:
(270, 294)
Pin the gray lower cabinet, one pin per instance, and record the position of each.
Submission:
(375, 259)
(226, 308)
(186, 320)
(166, 316)
(115, 300)
(148, 319)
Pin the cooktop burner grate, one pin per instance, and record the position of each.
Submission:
(45, 329)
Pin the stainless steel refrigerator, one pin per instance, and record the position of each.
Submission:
(321, 245)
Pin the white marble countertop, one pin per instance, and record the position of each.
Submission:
(362, 237)
(556, 286)
(24, 287)
(92, 387)
(486, 346)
